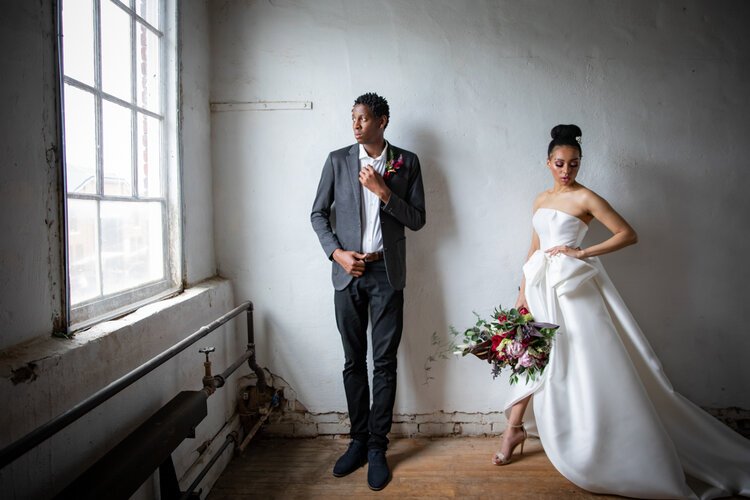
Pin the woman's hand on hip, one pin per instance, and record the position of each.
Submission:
(574, 252)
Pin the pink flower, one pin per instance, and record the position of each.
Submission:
(526, 360)
(515, 349)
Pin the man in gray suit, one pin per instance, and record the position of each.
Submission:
(367, 193)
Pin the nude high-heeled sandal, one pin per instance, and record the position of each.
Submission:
(500, 459)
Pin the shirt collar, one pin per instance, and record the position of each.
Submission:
(363, 154)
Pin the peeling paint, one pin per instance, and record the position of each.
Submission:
(26, 374)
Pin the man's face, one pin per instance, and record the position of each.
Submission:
(367, 129)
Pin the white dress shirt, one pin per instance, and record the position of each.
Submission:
(372, 237)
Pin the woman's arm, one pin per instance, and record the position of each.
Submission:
(622, 233)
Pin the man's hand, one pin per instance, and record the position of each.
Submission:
(373, 181)
(351, 261)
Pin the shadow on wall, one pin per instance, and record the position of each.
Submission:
(424, 310)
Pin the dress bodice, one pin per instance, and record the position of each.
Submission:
(556, 227)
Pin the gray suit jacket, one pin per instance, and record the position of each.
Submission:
(336, 216)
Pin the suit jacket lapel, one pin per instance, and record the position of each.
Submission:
(352, 162)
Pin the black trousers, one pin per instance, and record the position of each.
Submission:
(370, 294)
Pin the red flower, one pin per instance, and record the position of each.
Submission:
(502, 318)
(523, 311)
(391, 167)
(496, 339)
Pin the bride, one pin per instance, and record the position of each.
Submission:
(607, 416)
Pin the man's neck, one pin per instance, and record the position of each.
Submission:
(374, 150)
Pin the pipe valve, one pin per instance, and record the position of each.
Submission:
(208, 380)
(207, 351)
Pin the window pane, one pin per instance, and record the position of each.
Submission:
(148, 10)
(131, 244)
(83, 241)
(116, 60)
(78, 40)
(80, 141)
(147, 64)
(118, 156)
(149, 156)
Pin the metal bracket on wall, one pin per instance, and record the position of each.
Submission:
(261, 106)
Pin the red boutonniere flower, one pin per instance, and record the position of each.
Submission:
(391, 166)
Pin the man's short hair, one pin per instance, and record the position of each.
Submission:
(378, 105)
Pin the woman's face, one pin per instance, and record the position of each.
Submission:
(563, 162)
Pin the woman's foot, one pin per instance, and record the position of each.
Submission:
(512, 437)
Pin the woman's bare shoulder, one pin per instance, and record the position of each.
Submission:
(540, 199)
(589, 199)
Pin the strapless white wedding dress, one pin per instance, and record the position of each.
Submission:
(606, 414)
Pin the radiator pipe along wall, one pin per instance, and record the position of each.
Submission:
(251, 343)
(43, 432)
(120, 472)
(231, 438)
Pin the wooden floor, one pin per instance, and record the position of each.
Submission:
(422, 468)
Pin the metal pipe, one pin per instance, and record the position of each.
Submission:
(252, 363)
(256, 427)
(231, 438)
(43, 432)
(220, 379)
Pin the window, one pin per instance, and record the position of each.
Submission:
(119, 107)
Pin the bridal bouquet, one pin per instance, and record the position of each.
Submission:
(511, 338)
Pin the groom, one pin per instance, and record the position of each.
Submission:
(367, 193)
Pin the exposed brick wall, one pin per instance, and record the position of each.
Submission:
(292, 419)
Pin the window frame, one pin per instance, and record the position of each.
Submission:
(108, 306)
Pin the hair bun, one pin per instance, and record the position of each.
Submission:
(566, 131)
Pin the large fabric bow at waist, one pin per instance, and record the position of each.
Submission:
(563, 273)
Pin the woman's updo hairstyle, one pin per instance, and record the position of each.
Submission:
(565, 135)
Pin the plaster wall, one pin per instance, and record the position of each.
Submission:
(31, 286)
(42, 376)
(659, 89)
(195, 124)
(60, 373)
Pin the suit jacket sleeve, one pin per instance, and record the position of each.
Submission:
(321, 210)
(410, 210)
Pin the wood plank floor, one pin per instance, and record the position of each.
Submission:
(422, 468)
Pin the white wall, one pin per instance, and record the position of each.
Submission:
(195, 79)
(659, 89)
(31, 297)
(61, 372)
(66, 372)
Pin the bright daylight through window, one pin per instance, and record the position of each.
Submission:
(118, 151)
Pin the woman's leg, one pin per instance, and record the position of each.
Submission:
(514, 433)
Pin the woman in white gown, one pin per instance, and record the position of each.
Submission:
(607, 416)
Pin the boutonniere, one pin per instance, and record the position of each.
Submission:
(391, 166)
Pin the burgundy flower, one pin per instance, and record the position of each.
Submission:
(496, 339)
(391, 167)
(523, 311)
